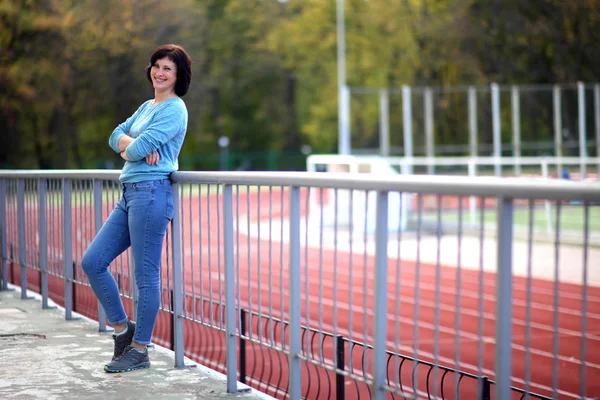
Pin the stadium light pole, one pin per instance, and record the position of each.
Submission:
(343, 92)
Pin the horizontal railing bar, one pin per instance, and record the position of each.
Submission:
(458, 161)
(508, 187)
(101, 174)
(543, 189)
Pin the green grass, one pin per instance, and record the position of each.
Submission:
(571, 217)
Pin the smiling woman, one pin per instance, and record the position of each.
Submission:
(164, 75)
(149, 141)
(170, 61)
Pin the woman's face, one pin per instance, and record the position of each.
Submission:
(164, 74)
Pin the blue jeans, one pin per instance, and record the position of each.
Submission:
(140, 220)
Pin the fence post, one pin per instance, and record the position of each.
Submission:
(472, 199)
(503, 356)
(472, 101)
(384, 123)
(74, 289)
(497, 130)
(582, 128)
(295, 372)
(407, 123)
(177, 289)
(172, 324)
(242, 346)
(340, 363)
(43, 245)
(68, 264)
(484, 388)
(97, 186)
(557, 110)
(516, 127)
(3, 240)
(429, 137)
(11, 256)
(230, 325)
(345, 138)
(380, 318)
(22, 240)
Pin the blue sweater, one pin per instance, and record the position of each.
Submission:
(154, 127)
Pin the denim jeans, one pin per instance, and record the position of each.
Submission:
(139, 220)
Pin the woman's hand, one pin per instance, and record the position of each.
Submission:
(153, 159)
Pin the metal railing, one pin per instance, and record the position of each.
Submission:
(493, 120)
(272, 261)
(518, 167)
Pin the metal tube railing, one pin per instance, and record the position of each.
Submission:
(375, 305)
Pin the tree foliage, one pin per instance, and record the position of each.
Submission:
(265, 71)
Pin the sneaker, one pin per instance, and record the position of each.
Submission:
(129, 360)
(124, 340)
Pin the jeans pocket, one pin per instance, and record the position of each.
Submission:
(144, 186)
(170, 207)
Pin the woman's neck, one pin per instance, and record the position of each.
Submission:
(159, 97)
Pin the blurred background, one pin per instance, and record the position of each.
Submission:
(265, 72)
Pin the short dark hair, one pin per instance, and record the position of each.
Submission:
(182, 60)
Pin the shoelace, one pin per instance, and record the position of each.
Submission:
(123, 354)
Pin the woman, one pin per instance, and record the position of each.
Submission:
(149, 141)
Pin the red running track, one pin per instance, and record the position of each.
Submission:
(342, 308)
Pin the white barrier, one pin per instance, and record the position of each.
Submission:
(549, 167)
(360, 218)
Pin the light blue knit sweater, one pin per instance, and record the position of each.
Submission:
(159, 127)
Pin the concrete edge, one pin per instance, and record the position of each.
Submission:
(187, 361)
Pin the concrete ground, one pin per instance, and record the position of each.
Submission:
(43, 356)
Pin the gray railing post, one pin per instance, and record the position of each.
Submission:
(504, 299)
(230, 325)
(429, 137)
(582, 128)
(43, 244)
(98, 225)
(472, 167)
(516, 127)
(384, 123)
(22, 240)
(295, 371)
(497, 130)
(472, 102)
(557, 111)
(3, 240)
(177, 292)
(380, 318)
(67, 249)
(407, 124)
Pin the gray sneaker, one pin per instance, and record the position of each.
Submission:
(129, 360)
(124, 340)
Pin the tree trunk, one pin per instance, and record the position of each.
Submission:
(292, 138)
